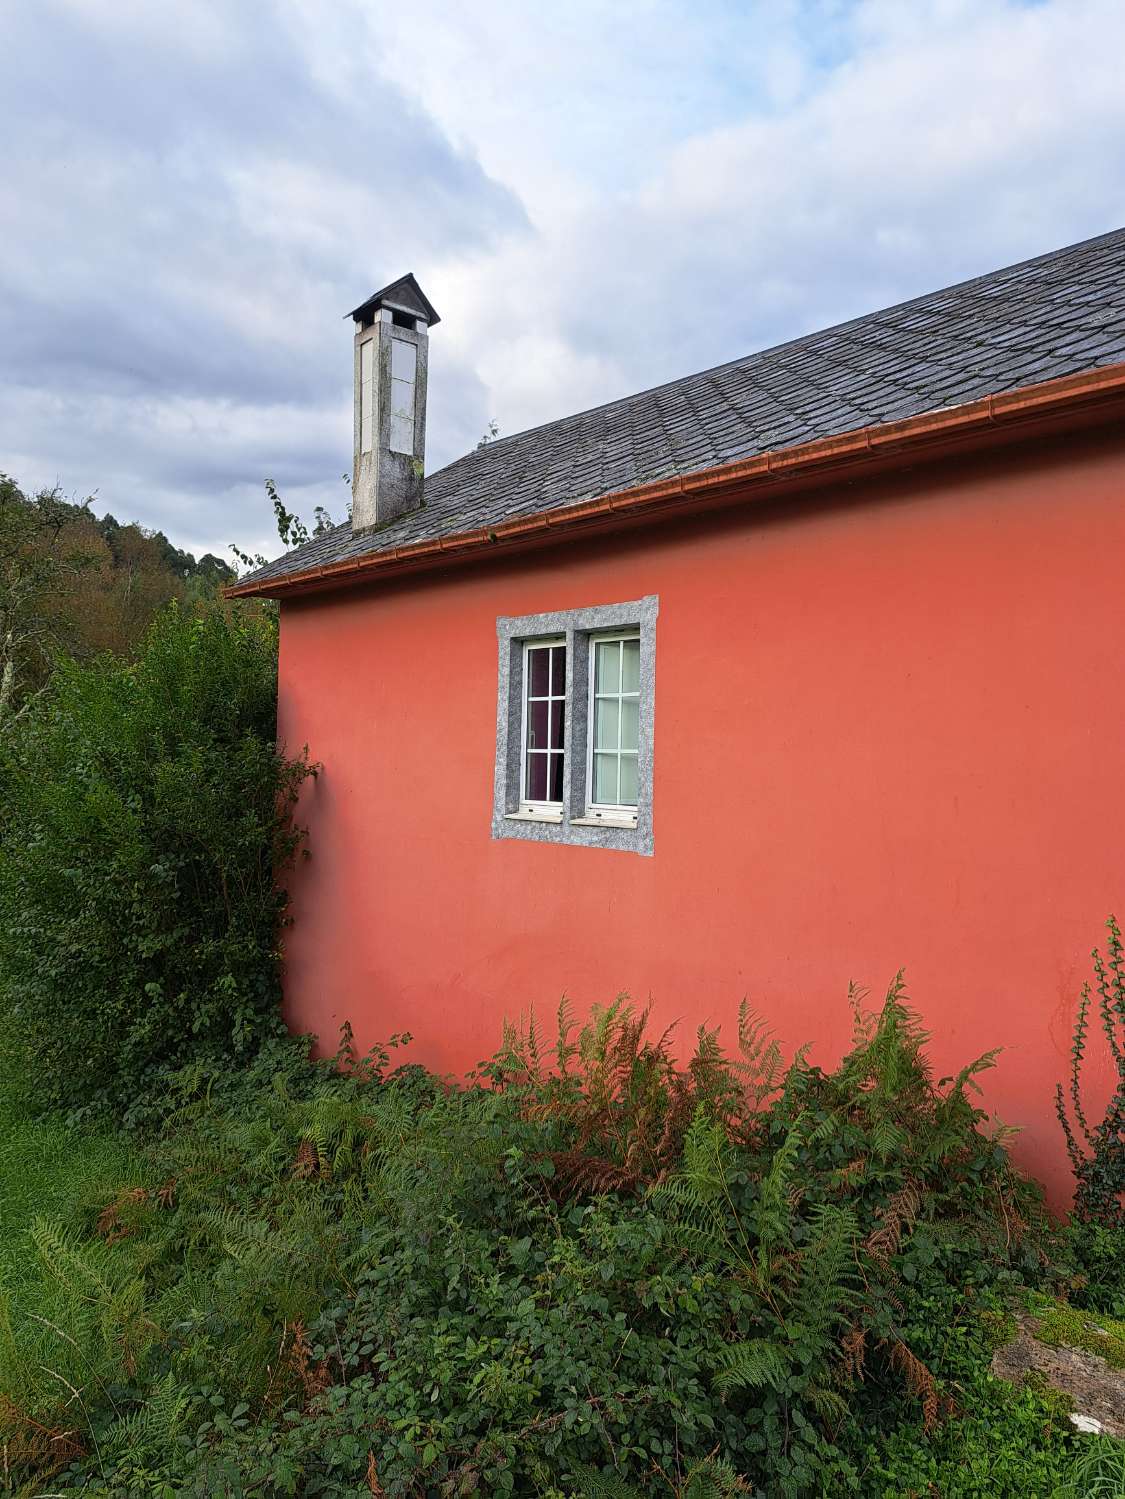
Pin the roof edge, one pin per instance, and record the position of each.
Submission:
(887, 444)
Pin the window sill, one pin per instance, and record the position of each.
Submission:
(555, 817)
(603, 822)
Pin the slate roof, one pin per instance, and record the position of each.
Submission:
(1059, 314)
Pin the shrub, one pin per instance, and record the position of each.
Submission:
(146, 809)
(373, 1282)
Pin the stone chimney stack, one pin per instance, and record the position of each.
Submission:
(391, 358)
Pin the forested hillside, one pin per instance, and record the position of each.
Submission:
(71, 581)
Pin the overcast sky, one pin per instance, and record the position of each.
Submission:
(597, 195)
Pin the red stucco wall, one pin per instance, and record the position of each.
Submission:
(889, 731)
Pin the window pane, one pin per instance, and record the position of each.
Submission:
(628, 793)
(402, 435)
(630, 665)
(537, 778)
(537, 725)
(605, 724)
(539, 667)
(555, 788)
(404, 360)
(556, 724)
(605, 779)
(558, 670)
(630, 715)
(608, 672)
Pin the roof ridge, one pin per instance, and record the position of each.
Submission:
(791, 343)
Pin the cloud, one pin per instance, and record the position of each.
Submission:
(188, 211)
(596, 198)
(942, 140)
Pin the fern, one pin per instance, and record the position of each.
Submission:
(752, 1364)
(827, 1293)
(596, 1485)
(713, 1479)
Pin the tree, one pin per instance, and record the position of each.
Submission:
(71, 584)
(35, 563)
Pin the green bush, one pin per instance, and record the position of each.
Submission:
(765, 1280)
(145, 810)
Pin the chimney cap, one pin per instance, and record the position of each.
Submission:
(403, 295)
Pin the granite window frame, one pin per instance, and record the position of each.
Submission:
(572, 824)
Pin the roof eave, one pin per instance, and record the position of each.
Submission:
(1007, 414)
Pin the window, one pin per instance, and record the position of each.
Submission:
(615, 671)
(574, 726)
(544, 715)
(404, 365)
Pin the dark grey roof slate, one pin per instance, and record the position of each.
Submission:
(1059, 314)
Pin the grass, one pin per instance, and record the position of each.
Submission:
(68, 1166)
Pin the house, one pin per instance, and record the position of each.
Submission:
(777, 676)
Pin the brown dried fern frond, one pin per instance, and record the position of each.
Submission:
(314, 1378)
(112, 1223)
(372, 1477)
(576, 1173)
(897, 1217)
(31, 1444)
(306, 1163)
(846, 1175)
(919, 1381)
(853, 1346)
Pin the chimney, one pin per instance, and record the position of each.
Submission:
(391, 356)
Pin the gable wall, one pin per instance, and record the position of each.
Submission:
(887, 732)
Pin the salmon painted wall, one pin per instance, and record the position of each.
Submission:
(889, 730)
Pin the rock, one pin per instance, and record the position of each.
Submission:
(1094, 1388)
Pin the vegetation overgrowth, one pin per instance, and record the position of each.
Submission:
(145, 824)
(1097, 1152)
(592, 1270)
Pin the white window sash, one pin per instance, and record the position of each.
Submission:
(540, 808)
(616, 811)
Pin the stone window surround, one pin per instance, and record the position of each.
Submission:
(575, 626)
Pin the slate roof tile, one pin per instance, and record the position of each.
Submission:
(1058, 314)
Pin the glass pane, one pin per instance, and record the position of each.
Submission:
(605, 779)
(630, 665)
(608, 669)
(628, 780)
(558, 670)
(539, 668)
(554, 791)
(404, 360)
(537, 725)
(630, 714)
(537, 778)
(605, 724)
(402, 435)
(556, 723)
